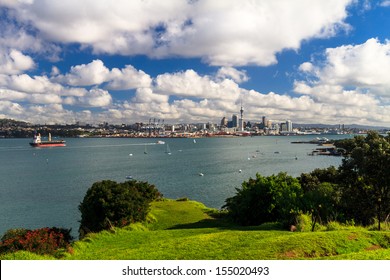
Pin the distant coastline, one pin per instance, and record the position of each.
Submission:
(19, 129)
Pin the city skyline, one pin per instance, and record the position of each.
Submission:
(195, 61)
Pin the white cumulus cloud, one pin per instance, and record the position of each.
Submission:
(224, 33)
(94, 73)
(96, 98)
(14, 62)
(190, 84)
(353, 80)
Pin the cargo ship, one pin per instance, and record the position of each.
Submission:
(37, 142)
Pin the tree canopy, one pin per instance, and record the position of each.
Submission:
(365, 177)
(358, 190)
(108, 203)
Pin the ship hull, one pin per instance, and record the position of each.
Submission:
(52, 144)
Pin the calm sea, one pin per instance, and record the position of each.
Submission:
(43, 186)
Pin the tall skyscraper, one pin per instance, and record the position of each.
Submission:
(224, 122)
(234, 121)
(289, 126)
(265, 122)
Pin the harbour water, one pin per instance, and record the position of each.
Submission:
(42, 187)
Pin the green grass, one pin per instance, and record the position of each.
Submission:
(188, 230)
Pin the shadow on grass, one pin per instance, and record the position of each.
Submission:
(206, 223)
(226, 224)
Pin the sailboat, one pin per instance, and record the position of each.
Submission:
(168, 150)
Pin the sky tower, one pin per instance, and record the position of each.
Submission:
(241, 120)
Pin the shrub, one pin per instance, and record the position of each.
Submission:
(333, 225)
(275, 198)
(14, 233)
(39, 241)
(109, 204)
(182, 199)
(303, 223)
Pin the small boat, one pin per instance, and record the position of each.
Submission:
(129, 177)
(194, 141)
(159, 142)
(145, 151)
(201, 174)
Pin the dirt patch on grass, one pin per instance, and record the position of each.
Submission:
(373, 248)
(352, 236)
(289, 255)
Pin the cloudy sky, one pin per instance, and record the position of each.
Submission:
(124, 61)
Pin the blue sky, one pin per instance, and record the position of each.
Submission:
(309, 61)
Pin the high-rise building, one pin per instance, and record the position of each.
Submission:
(289, 126)
(283, 126)
(265, 122)
(224, 122)
(234, 121)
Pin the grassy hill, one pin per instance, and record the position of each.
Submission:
(187, 230)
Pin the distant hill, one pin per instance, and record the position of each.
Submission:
(10, 122)
(356, 126)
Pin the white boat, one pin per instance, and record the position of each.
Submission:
(201, 174)
(159, 142)
(129, 177)
(194, 141)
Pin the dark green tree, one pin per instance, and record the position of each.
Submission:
(110, 204)
(321, 194)
(366, 177)
(266, 199)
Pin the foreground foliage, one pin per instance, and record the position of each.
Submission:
(110, 204)
(365, 178)
(40, 241)
(275, 198)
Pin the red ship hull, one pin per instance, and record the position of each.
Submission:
(52, 144)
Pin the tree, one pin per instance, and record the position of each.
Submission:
(107, 204)
(266, 199)
(366, 177)
(321, 194)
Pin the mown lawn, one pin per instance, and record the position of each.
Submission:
(186, 230)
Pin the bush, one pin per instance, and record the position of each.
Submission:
(39, 241)
(14, 233)
(303, 223)
(275, 198)
(109, 204)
